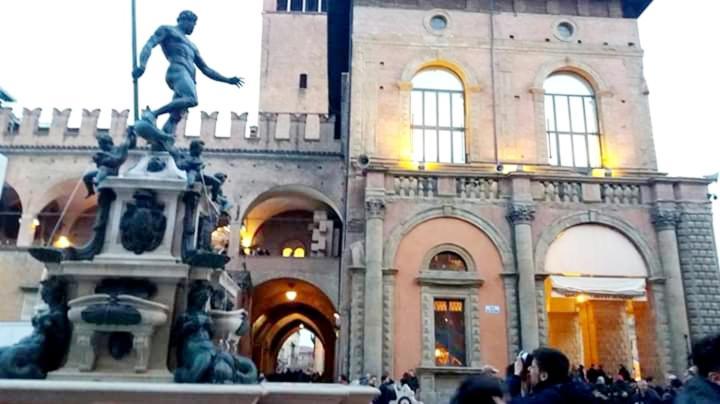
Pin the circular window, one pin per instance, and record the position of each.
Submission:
(565, 30)
(438, 22)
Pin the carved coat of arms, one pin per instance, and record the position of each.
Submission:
(142, 226)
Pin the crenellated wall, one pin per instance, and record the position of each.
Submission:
(275, 131)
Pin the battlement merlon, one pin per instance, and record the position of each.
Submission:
(275, 131)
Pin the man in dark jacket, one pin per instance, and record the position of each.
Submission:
(550, 379)
(705, 387)
(387, 391)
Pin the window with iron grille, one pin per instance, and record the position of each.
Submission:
(438, 117)
(571, 122)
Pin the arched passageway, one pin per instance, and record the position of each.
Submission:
(67, 219)
(10, 215)
(599, 310)
(290, 311)
(291, 222)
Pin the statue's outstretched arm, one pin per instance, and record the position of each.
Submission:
(206, 70)
(154, 40)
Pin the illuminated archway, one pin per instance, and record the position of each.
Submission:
(281, 308)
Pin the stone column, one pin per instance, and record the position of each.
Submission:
(26, 234)
(372, 342)
(665, 220)
(521, 217)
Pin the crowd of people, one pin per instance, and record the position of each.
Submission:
(545, 377)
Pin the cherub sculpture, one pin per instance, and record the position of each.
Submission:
(109, 159)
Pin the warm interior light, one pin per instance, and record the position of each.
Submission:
(62, 242)
(302, 326)
(245, 237)
(35, 223)
(582, 298)
(299, 252)
(291, 295)
(287, 252)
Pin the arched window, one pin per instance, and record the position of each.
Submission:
(447, 261)
(571, 122)
(438, 117)
(294, 249)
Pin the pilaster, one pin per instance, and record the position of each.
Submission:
(665, 218)
(520, 216)
(388, 339)
(372, 345)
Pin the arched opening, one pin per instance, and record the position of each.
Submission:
(571, 121)
(447, 261)
(438, 116)
(293, 331)
(597, 300)
(66, 220)
(10, 215)
(291, 223)
(302, 354)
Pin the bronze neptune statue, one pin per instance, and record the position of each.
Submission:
(183, 57)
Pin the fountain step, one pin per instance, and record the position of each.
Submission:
(60, 392)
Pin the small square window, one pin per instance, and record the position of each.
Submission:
(303, 80)
(282, 5)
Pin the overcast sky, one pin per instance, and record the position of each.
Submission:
(77, 54)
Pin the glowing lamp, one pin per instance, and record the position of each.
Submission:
(582, 298)
(291, 295)
(62, 242)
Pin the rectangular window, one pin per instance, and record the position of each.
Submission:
(311, 6)
(572, 131)
(296, 5)
(282, 5)
(450, 348)
(303, 80)
(324, 5)
(438, 125)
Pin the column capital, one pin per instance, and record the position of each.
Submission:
(375, 208)
(521, 213)
(665, 218)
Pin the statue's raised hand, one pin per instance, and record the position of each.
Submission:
(137, 72)
(236, 81)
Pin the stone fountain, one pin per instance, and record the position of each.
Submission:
(144, 310)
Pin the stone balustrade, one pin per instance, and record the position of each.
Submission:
(415, 186)
(275, 131)
(590, 189)
(494, 187)
(478, 188)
